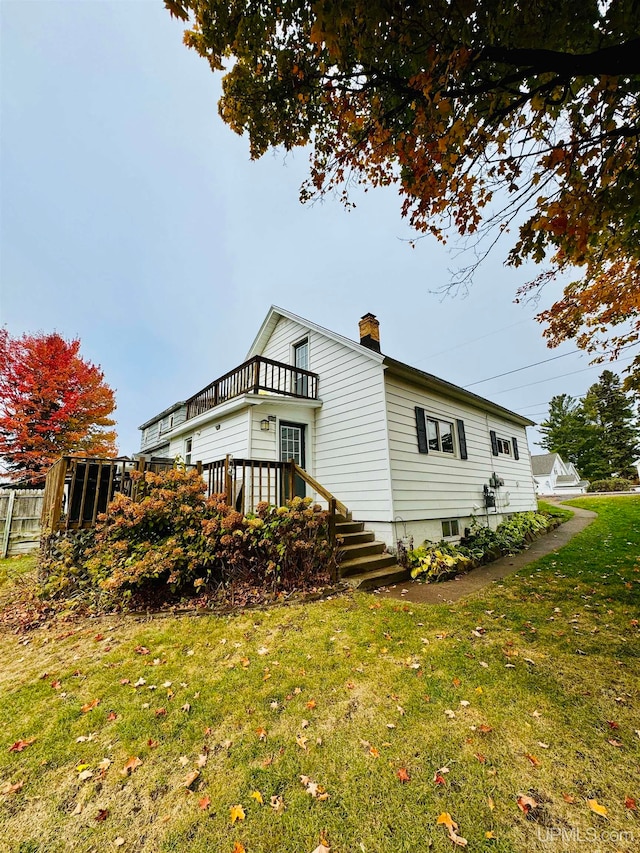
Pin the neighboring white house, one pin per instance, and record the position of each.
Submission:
(553, 476)
(408, 453)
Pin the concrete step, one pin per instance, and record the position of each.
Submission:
(349, 527)
(360, 550)
(358, 565)
(378, 577)
(356, 538)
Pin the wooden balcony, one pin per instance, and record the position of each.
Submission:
(258, 375)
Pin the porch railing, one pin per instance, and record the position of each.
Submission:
(78, 489)
(257, 375)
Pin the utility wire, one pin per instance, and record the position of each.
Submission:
(472, 341)
(535, 364)
(561, 376)
(526, 367)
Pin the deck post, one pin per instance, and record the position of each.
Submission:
(332, 537)
(227, 480)
(292, 479)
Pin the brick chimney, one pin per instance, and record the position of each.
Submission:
(370, 332)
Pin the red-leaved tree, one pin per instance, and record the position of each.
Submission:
(52, 402)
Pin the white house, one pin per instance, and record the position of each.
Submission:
(408, 453)
(553, 476)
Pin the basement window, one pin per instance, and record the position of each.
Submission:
(450, 527)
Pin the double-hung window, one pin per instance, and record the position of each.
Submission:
(301, 360)
(440, 435)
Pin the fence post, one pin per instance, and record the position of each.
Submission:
(227, 480)
(7, 524)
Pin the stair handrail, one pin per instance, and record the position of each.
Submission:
(320, 489)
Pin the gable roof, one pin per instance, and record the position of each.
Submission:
(398, 368)
(543, 463)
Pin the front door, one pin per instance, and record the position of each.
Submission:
(292, 447)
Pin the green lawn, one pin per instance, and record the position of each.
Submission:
(540, 675)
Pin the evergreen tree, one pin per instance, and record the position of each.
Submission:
(611, 412)
(567, 432)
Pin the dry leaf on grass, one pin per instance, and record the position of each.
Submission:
(446, 819)
(19, 745)
(132, 764)
(236, 813)
(526, 803)
(595, 806)
(316, 791)
(257, 796)
(403, 775)
(204, 802)
(8, 788)
(190, 778)
(277, 804)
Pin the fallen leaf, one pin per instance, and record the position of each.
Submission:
(595, 806)
(262, 733)
(112, 716)
(257, 796)
(160, 712)
(525, 803)
(480, 757)
(140, 682)
(56, 685)
(141, 650)
(449, 713)
(311, 704)
(630, 803)
(315, 790)
(204, 802)
(485, 729)
(190, 778)
(152, 743)
(615, 743)
(84, 775)
(568, 798)
(490, 803)
(19, 745)
(403, 775)
(446, 819)
(489, 834)
(186, 707)
(119, 841)
(132, 764)
(8, 788)
(238, 848)
(532, 759)
(321, 848)
(103, 814)
(236, 813)
(90, 706)
(373, 751)
(277, 804)
(183, 760)
(439, 780)
(301, 740)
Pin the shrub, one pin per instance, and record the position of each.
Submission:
(613, 484)
(176, 540)
(439, 561)
(435, 562)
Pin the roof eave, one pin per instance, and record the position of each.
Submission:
(412, 374)
(173, 408)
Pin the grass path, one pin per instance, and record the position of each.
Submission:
(531, 687)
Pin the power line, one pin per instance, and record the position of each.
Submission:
(535, 364)
(561, 376)
(526, 367)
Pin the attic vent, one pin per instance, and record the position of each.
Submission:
(370, 332)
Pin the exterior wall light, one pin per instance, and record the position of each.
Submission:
(265, 424)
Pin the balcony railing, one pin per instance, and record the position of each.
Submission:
(253, 377)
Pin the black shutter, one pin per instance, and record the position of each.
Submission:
(421, 427)
(516, 455)
(462, 439)
(494, 442)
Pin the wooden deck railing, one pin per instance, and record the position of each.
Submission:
(257, 375)
(78, 489)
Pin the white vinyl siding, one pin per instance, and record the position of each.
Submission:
(442, 485)
(210, 443)
(349, 451)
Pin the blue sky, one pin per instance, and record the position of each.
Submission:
(133, 218)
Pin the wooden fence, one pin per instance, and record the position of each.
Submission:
(20, 511)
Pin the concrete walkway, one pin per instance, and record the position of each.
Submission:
(449, 591)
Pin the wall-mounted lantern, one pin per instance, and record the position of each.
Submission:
(265, 424)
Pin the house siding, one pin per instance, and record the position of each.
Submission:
(349, 454)
(431, 486)
(210, 443)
